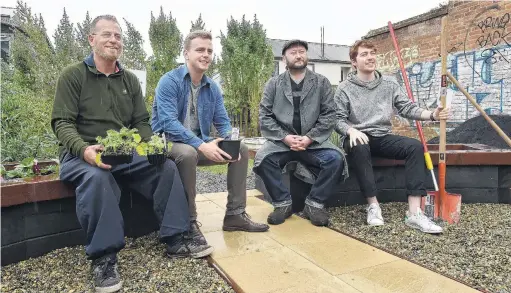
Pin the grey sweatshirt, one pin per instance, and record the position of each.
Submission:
(369, 106)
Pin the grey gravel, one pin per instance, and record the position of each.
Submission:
(477, 251)
(210, 182)
(143, 266)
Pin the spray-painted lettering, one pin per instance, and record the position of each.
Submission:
(389, 60)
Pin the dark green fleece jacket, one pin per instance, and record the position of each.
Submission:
(88, 103)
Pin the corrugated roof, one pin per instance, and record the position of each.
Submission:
(333, 53)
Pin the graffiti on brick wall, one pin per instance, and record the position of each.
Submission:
(388, 60)
(488, 82)
(484, 72)
(490, 29)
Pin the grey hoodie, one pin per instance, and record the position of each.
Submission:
(369, 106)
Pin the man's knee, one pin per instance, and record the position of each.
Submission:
(169, 168)
(360, 149)
(332, 156)
(186, 154)
(97, 186)
(98, 176)
(414, 146)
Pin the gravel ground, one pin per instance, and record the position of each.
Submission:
(476, 251)
(143, 266)
(210, 182)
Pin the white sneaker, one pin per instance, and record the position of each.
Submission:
(374, 217)
(421, 222)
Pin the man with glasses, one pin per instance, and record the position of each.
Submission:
(92, 97)
(297, 116)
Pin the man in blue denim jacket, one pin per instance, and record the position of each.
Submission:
(187, 103)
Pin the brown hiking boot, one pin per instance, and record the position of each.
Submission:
(242, 222)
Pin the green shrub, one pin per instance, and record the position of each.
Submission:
(26, 130)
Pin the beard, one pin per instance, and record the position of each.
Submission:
(105, 55)
(291, 65)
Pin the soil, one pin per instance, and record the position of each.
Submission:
(478, 130)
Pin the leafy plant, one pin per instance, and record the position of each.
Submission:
(24, 169)
(335, 138)
(247, 64)
(26, 131)
(153, 147)
(51, 169)
(120, 142)
(28, 168)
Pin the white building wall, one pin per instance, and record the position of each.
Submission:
(335, 72)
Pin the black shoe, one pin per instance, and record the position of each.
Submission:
(196, 234)
(106, 274)
(317, 216)
(242, 222)
(280, 214)
(181, 246)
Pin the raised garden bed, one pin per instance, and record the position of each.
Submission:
(39, 215)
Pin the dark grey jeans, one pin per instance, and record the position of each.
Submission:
(187, 159)
(98, 196)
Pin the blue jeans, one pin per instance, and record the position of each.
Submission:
(327, 165)
(98, 195)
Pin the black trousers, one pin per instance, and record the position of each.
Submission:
(391, 147)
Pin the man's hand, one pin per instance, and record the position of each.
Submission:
(293, 142)
(90, 153)
(213, 152)
(442, 114)
(303, 143)
(356, 135)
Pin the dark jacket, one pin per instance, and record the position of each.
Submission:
(88, 103)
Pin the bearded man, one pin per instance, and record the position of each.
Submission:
(297, 115)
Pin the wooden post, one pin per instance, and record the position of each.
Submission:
(443, 123)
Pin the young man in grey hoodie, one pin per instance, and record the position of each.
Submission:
(366, 102)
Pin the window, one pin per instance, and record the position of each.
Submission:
(276, 69)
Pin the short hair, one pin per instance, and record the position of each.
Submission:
(358, 44)
(102, 17)
(196, 34)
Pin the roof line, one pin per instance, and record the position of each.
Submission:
(311, 42)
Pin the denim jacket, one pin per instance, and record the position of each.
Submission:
(170, 104)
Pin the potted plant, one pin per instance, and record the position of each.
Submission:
(231, 145)
(119, 146)
(155, 149)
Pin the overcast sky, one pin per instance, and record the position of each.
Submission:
(344, 21)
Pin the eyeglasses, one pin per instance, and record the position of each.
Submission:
(107, 36)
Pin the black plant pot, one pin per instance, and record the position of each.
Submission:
(231, 147)
(157, 159)
(113, 160)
